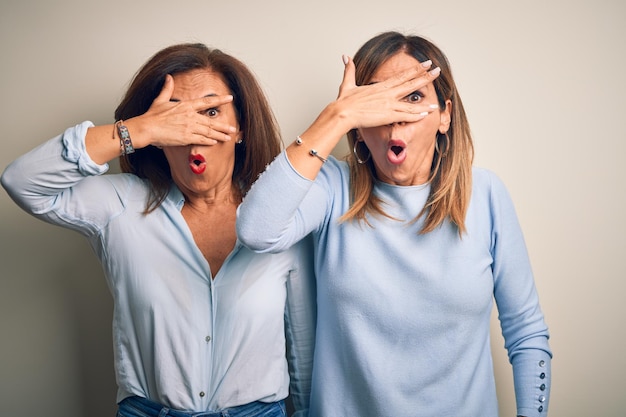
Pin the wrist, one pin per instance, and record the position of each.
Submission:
(339, 117)
(137, 132)
(126, 143)
(331, 124)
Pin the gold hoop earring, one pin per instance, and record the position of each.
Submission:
(356, 154)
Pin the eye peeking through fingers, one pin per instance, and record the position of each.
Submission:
(212, 112)
(414, 97)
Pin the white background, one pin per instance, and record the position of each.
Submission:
(543, 85)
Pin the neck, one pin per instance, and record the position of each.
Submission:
(218, 196)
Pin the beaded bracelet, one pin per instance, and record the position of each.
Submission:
(312, 152)
(126, 143)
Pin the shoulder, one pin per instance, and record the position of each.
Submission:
(485, 181)
(483, 177)
(490, 192)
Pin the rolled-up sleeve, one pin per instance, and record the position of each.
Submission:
(52, 183)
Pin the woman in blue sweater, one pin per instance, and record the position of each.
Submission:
(413, 244)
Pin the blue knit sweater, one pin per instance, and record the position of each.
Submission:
(404, 319)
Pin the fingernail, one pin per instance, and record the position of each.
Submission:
(424, 113)
(427, 64)
(435, 71)
(434, 106)
(232, 129)
(230, 97)
(345, 59)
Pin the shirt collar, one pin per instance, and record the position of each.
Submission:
(176, 197)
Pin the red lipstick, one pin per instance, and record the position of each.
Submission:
(197, 163)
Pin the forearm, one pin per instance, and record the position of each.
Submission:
(103, 143)
(376, 104)
(166, 123)
(322, 137)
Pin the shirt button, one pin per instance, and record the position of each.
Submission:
(540, 409)
(208, 338)
(202, 394)
(542, 398)
(542, 363)
(542, 387)
(542, 375)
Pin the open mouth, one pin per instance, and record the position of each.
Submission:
(197, 163)
(396, 152)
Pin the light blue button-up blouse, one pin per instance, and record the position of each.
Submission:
(181, 337)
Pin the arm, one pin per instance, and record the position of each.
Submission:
(300, 318)
(359, 106)
(282, 207)
(285, 204)
(166, 123)
(523, 327)
(44, 182)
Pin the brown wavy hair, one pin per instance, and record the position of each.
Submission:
(262, 135)
(451, 170)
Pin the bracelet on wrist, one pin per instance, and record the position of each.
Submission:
(312, 152)
(126, 144)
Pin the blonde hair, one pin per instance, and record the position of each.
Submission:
(451, 170)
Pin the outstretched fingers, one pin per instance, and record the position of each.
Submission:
(204, 104)
(209, 128)
(166, 91)
(210, 132)
(171, 122)
(349, 79)
(407, 82)
(411, 79)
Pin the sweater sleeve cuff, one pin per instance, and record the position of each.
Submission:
(532, 375)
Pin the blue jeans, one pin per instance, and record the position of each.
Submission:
(141, 407)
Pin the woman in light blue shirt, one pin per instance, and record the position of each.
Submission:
(199, 319)
(412, 245)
